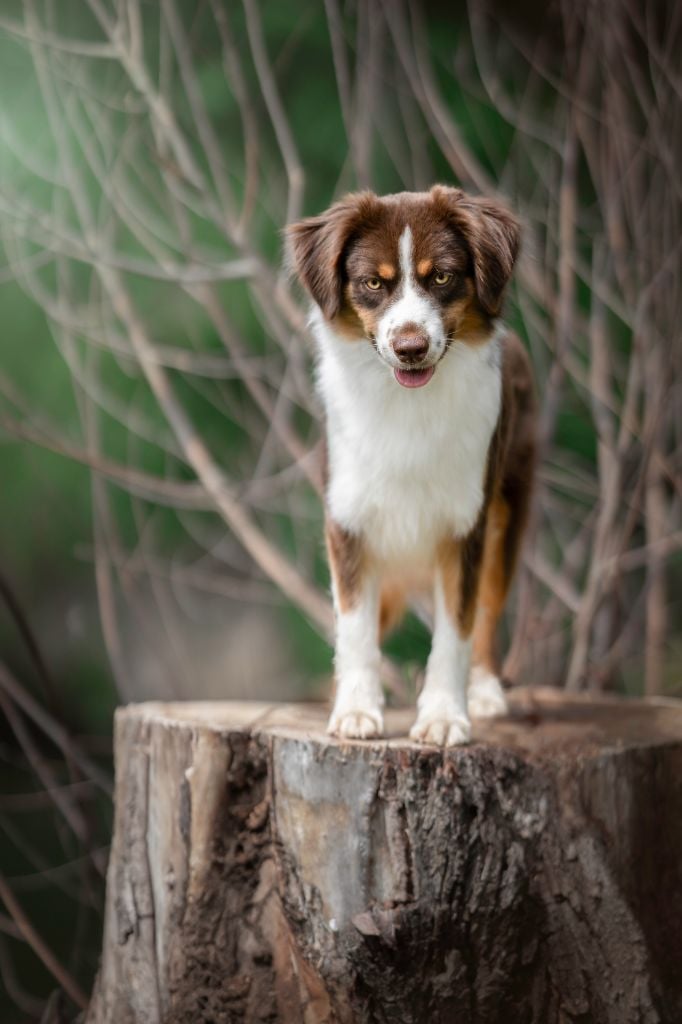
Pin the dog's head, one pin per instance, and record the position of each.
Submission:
(409, 272)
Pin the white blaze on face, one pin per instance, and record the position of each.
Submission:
(413, 306)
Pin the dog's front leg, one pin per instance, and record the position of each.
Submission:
(442, 704)
(355, 585)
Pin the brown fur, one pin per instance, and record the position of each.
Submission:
(508, 492)
(386, 270)
(391, 607)
(493, 585)
(346, 560)
(348, 322)
(449, 559)
(465, 319)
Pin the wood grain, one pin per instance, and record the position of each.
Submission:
(263, 871)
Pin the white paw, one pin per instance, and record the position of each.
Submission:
(358, 725)
(441, 728)
(486, 697)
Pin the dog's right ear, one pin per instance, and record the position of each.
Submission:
(493, 236)
(316, 246)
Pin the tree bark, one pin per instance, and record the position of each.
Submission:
(262, 871)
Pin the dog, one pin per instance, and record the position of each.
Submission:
(430, 440)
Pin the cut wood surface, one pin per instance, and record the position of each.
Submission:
(263, 871)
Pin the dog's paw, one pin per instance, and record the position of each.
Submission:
(486, 697)
(442, 729)
(362, 724)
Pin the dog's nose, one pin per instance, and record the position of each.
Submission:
(411, 347)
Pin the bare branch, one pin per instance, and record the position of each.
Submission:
(39, 947)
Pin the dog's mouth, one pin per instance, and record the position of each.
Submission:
(414, 378)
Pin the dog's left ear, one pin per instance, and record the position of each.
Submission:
(493, 235)
(316, 246)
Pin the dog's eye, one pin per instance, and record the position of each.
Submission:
(440, 278)
(373, 283)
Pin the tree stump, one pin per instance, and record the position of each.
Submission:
(262, 871)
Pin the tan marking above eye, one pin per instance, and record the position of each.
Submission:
(424, 267)
(441, 277)
(373, 283)
(386, 270)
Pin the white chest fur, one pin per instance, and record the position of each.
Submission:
(406, 466)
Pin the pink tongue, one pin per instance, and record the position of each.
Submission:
(414, 378)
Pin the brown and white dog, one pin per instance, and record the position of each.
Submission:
(430, 440)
